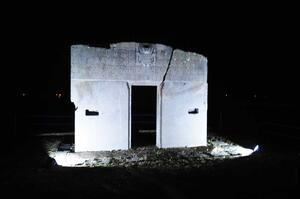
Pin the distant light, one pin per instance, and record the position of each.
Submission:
(226, 95)
(58, 95)
(254, 95)
(23, 94)
(256, 148)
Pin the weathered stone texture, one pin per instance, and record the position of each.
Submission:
(119, 63)
(101, 81)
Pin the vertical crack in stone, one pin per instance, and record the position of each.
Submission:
(165, 75)
(129, 114)
(161, 88)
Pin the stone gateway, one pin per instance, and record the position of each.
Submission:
(135, 94)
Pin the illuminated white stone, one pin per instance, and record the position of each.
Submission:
(101, 81)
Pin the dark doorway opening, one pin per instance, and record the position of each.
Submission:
(143, 116)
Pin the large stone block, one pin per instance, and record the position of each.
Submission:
(101, 85)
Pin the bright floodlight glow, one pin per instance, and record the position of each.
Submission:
(67, 159)
(222, 149)
(244, 151)
(71, 159)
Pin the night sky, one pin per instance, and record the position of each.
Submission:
(250, 50)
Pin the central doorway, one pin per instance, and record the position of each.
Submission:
(143, 116)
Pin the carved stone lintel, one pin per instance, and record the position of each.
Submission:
(146, 54)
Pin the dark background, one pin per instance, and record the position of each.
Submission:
(251, 51)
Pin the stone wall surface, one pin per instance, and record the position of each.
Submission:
(109, 129)
(183, 114)
(101, 80)
(119, 63)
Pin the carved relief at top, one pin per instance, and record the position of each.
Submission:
(146, 54)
